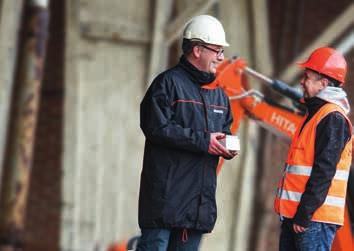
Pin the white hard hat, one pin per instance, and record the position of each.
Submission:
(205, 28)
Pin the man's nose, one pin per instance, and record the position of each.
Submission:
(221, 57)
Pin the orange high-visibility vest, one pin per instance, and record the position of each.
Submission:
(298, 170)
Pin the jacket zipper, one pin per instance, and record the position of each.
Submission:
(205, 110)
(204, 164)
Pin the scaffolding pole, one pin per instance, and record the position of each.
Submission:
(19, 157)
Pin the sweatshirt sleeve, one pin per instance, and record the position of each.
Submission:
(332, 134)
(158, 126)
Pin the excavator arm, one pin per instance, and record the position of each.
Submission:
(246, 102)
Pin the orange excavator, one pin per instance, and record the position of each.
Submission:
(232, 76)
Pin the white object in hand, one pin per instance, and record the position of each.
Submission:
(232, 143)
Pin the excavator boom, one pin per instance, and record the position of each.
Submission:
(279, 119)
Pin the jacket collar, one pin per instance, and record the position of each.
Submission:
(199, 77)
(313, 105)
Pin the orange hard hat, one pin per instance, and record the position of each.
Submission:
(327, 61)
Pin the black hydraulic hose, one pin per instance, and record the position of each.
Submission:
(277, 85)
(286, 90)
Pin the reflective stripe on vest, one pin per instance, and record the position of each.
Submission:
(306, 171)
(295, 196)
(298, 170)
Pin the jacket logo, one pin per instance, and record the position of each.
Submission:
(218, 111)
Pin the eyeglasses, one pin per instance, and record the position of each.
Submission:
(218, 52)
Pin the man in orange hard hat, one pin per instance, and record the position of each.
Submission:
(311, 194)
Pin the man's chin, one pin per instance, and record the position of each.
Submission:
(213, 69)
(308, 97)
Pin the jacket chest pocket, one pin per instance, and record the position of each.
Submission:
(216, 118)
(189, 114)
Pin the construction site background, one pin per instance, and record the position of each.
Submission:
(88, 147)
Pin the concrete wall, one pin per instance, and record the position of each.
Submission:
(105, 79)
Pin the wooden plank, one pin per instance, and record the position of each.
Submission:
(345, 20)
(347, 43)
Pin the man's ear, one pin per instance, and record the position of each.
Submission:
(325, 82)
(196, 51)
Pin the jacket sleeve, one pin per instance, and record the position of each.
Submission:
(228, 121)
(332, 134)
(229, 118)
(158, 126)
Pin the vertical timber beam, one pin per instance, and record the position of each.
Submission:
(18, 164)
(263, 63)
(262, 51)
(10, 17)
(72, 169)
(236, 18)
(159, 47)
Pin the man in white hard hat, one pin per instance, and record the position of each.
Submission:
(183, 122)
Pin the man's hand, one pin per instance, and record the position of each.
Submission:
(216, 148)
(231, 155)
(298, 229)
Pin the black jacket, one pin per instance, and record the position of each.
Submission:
(332, 134)
(178, 179)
